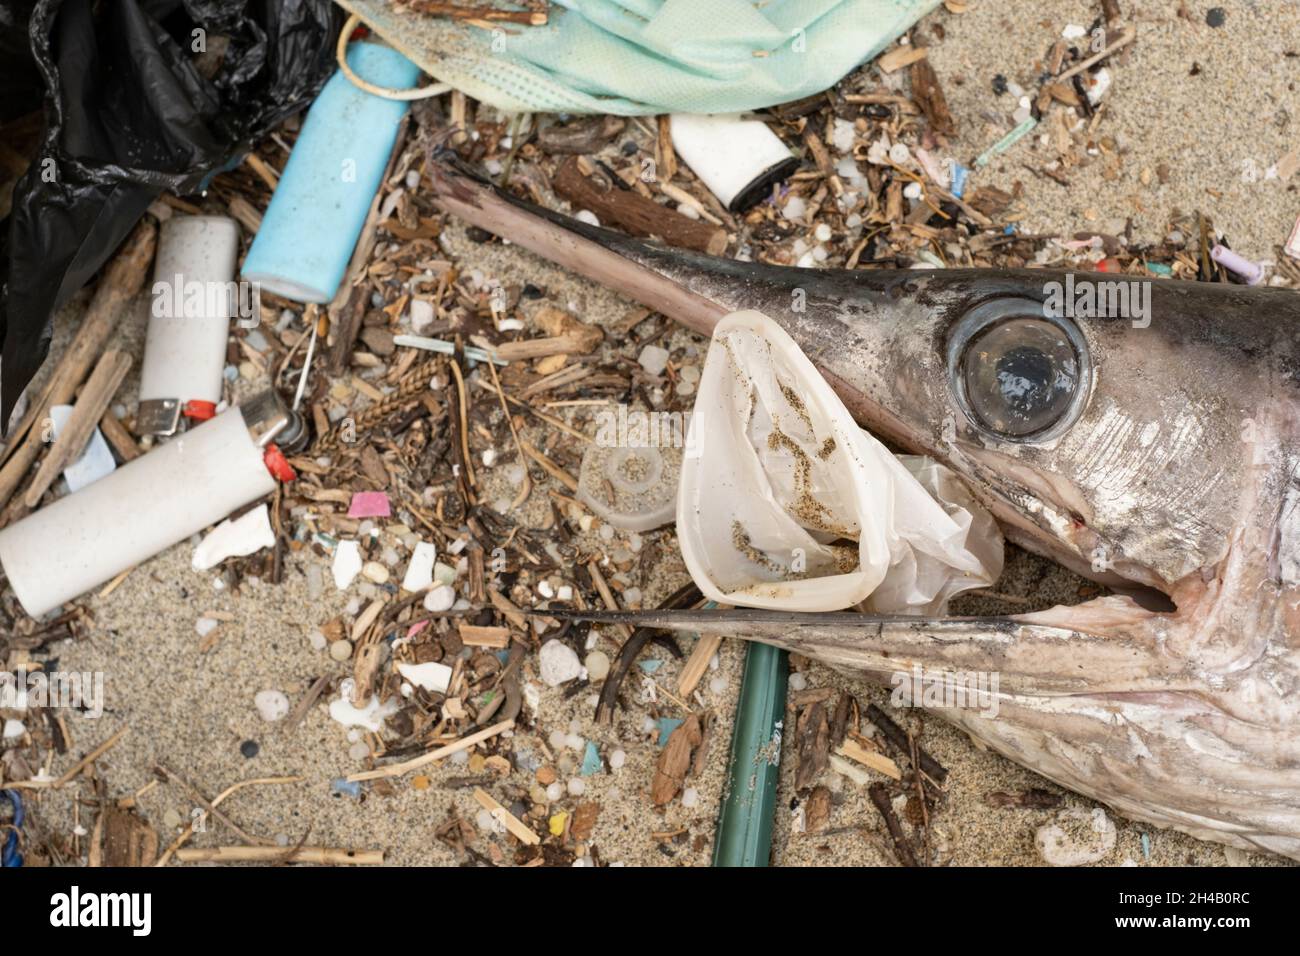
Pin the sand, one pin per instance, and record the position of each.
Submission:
(191, 711)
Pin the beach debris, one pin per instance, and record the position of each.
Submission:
(370, 504)
(675, 761)
(1076, 837)
(591, 189)
(94, 462)
(557, 663)
(309, 232)
(737, 159)
(813, 737)
(370, 716)
(1251, 272)
(632, 487)
(108, 519)
(738, 488)
(347, 564)
(903, 849)
(194, 300)
(271, 705)
(10, 848)
(419, 570)
(1292, 247)
(432, 676)
(238, 537)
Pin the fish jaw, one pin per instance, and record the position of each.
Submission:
(1100, 698)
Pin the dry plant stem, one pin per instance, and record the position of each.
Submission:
(68, 777)
(398, 769)
(323, 855)
(91, 405)
(526, 486)
(122, 279)
(216, 802)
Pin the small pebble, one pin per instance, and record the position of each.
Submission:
(557, 663)
(341, 650)
(359, 751)
(654, 359)
(249, 748)
(271, 704)
(439, 599)
(616, 759)
(690, 797)
(577, 787)
(554, 791)
(597, 664)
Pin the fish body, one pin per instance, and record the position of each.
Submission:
(1145, 433)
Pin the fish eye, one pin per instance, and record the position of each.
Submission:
(1016, 374)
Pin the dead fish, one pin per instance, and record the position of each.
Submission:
(1146, 435)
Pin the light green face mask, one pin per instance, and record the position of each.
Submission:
(633, 57)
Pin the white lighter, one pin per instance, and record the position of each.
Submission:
(143, 508)
(194, 299)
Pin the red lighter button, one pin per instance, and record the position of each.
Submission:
(199, 410)
(277, 464)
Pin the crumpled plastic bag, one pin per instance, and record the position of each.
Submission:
(785, 503)
(131, 110)
(641, 57)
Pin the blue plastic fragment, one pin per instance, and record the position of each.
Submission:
(666, 727)
(347, 788)
(1146, 846)
(959, 174)
(650, 665)
(591, 763)
(9, 854)
(1009, 231)
(1159, 268)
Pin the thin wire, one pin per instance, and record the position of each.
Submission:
(306, 365)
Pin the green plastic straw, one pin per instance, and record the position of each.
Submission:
(745, 823)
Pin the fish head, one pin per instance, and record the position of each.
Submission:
(1129, 428)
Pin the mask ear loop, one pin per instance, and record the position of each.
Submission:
(340, 53)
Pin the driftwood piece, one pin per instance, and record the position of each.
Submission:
(675, 761)
(814, 746)
(817, 811)
(898, 737)
(635, 213)
(928, 94)
(91, 405)
(122, 279)
(902, 848)
(324, 855)
(124, 839)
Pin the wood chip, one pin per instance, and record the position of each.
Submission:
(901, 56)
(512, 823)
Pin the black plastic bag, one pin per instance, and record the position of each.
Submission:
(129, 113)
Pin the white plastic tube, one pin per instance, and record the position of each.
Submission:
(737, 158)
(178, 489)
(194, 299)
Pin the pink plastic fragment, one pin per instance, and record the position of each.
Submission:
(416, 628)
(370, 504)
